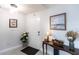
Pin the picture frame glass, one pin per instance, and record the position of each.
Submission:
(12, 23)
(58, 22)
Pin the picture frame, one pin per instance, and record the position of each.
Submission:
(12, 23)
(58, 22)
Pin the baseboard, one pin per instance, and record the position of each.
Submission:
(8, 49)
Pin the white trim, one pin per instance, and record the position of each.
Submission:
(8, 49)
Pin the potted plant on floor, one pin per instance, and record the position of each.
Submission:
(24, 38)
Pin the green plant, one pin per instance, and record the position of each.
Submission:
(24, 37)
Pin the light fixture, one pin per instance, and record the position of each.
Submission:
(13, 8)
(13, 5)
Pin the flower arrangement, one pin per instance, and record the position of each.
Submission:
(71, 35)
(24, 37)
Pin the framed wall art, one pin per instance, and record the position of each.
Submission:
(58, 22)
(12, 23)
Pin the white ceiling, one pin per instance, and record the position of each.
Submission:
(27, 8)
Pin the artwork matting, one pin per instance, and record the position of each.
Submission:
(12, 23)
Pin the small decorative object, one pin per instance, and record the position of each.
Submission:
(48, 35)
(12, 23)
(58, 43)
(24, 38)
(45, 38)
(50, 38)
(58, 22)
(71, 36)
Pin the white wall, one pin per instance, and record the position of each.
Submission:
(72, 22)
(10, 37)
(33, 26)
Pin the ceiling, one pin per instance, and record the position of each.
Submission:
(26, 8)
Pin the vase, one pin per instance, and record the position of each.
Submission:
(71, 45)
(47, 38)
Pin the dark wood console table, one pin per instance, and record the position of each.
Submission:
(56, 48)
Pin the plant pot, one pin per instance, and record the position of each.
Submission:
(25, 44)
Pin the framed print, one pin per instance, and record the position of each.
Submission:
(12, 23)
(58, 22)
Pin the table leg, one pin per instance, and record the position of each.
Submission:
(43, 48)
(56, 52)
(46, 49)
